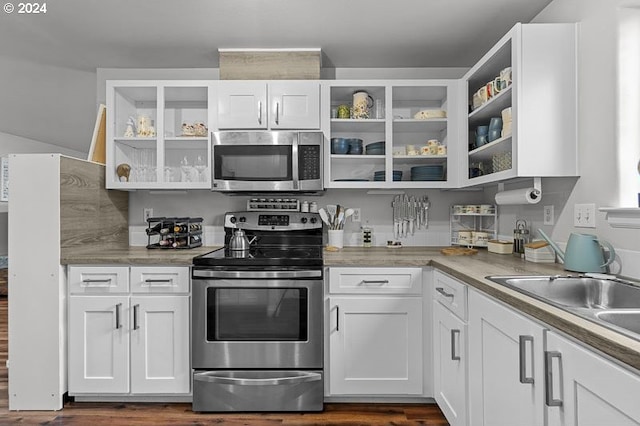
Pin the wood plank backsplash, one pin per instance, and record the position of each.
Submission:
(91, 216)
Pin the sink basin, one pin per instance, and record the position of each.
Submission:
(578, 292)
(614, 304)
(628, 320)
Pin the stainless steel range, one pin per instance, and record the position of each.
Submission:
(257, 316)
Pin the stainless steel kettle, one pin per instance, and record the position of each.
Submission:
(239, 241)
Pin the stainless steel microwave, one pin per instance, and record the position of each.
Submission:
(267, 161)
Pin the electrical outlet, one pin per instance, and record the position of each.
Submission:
(548, 215)
(584, 215)
(355, 217)
(147, 213)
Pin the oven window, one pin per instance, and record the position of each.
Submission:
(257, 314)
(253, 162)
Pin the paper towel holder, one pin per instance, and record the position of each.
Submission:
(531, 195)
(537, 184)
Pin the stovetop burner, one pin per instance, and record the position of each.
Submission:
(262, 256)
(282, 239)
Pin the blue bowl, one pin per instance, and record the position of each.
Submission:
(355, 146)
(339, 146)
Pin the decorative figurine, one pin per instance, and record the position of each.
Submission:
(131, 128)
(145, 127)
(123, 171)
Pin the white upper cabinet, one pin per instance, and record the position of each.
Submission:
(525, 90)
(400, 137)
(157, 134)
(268, 105)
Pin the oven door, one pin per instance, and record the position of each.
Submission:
(257, 319)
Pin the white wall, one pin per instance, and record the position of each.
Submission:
(47, 103)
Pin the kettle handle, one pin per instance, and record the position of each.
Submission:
(612, 253)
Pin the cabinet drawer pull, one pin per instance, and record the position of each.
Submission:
(442, 291)
(548, 367)
(158, 280)
(523, 359)
(136, 308)
(96, 280)
(118, 325)
(377, 282)
(454, 356)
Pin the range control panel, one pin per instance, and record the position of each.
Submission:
(253, 220)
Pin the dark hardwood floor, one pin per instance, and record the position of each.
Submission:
(130, 414)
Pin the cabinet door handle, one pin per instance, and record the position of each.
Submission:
(277, 112)
(118, 325)
(136, 308)
(259, 112)
(523, 359)
(454, 356)
(442, 291)
(378, 282)
(337, 318)
(548, 367)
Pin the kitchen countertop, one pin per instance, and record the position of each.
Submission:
(470, 269)
(132, 256)
(473, 270)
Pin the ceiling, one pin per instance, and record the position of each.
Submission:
(90, 34)
(83, 35)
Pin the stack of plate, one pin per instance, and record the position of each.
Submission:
(355, 146)
(376, 148)
(430, 172)
(379, 175)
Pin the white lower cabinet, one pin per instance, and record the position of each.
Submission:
(450, 348)
(506, 365)
(375, 337)
(130, 343)
(98, 344)
(584, 388)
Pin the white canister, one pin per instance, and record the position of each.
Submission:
(336, 237)
(464, 237)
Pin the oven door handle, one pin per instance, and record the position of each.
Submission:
(292, 378)
(198, 273)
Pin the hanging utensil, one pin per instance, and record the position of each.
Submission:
(412, 215)
(405, 216)
(395, 205)
(427, 203)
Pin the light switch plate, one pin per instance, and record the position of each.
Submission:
(584, 215)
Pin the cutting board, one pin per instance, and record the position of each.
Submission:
(458, 251)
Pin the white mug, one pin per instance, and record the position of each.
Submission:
(505, 76)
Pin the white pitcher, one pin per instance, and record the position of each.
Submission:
(362, 103)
